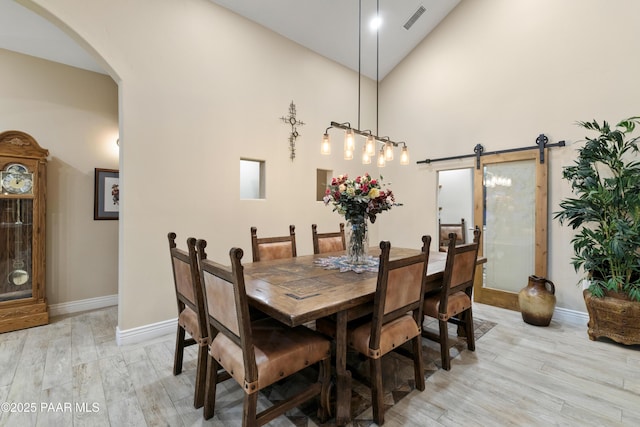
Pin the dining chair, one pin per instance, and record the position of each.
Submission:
(258, 353)
(396, 319)
(328, 242)
(191, 315)
(453, 304)
(266, 248)
(446, 229)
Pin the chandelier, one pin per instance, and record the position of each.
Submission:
(372, 141)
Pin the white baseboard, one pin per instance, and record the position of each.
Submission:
(83, 305)
(123, 337)
(571, 316)
(146, 332)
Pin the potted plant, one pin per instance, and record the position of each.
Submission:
(605, 179)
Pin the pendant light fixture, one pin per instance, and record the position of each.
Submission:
(369, 150)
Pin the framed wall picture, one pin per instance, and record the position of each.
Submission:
(107, 194)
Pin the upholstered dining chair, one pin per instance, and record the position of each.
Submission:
(266, 248)
(328, 242)
(446, 229)
(396, 319)
(256, 353)
(454, 304)
(191, 315)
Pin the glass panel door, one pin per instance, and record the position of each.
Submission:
(511, 201)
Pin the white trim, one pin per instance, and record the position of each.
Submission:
(571, 316)
(146, 332)
(83, 305)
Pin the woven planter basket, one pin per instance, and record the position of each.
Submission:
(613, 317)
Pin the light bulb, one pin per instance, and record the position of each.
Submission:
(381, 161)
(388, 151)
(325, 148)
(366, 158)
(348, 154)
(404, 156)
(348, 140)
(371, 146)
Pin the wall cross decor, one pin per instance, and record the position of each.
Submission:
(291, 119)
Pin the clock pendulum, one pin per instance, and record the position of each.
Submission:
(18, 276)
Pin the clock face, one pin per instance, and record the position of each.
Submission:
(17, 180)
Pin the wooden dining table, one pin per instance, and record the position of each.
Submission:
(297, 291)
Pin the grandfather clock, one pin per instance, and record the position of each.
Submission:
(23, 175)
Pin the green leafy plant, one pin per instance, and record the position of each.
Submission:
(605, 180)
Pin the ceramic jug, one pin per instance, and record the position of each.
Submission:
(537, 302)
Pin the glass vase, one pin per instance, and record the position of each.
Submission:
(357, 237)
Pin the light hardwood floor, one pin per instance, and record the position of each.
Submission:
(520, 375)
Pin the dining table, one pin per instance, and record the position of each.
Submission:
(297, 291)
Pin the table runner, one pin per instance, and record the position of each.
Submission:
(341, 263)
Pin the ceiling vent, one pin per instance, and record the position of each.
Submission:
(417, 14)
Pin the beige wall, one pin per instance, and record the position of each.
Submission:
(499, 73)
(200, 87)
(74, 114)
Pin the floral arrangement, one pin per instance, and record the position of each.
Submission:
(360, 198)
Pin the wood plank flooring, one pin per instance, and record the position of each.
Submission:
(71, 373)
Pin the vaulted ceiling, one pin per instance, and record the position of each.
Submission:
(328, 27)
